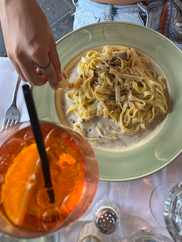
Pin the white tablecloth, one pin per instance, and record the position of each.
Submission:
(131, 197)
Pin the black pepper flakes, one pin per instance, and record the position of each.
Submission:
(111, 97)
(73, 121)
(114, 59)
(123, 55)
(140, 84)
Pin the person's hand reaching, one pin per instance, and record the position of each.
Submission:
(29, 42)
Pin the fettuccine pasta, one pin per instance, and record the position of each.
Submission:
(116, 84)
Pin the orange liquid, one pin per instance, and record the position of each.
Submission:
(67, 174)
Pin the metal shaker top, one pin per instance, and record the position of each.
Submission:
(106, 216)
(107, 221)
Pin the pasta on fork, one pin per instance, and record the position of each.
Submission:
(116, 84)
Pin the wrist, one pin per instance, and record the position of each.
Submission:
(5, 5)
(13, 5)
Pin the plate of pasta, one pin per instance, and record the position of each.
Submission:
(124, 97)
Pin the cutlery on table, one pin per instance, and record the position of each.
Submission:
(12, 115)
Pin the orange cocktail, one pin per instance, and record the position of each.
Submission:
(25, 205)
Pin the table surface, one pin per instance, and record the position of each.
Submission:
(131, 197)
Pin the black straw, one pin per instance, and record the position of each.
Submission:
(39, 141)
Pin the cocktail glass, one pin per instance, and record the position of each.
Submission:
(168, 197)
(72, 144)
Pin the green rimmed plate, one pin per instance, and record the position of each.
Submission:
(159, 151)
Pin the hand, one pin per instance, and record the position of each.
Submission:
(29, 40)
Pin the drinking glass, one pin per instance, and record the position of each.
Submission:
(173, 212)
(169, 213)
(127, 225)
(133, 228)
(90, 181)
(147, 236)
(108, 218)
(157, 200)
(111, 225)
(130, 228)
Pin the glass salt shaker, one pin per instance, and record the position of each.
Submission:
(106, 216)
(89, 233)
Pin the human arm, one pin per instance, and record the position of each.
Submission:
(29, 40)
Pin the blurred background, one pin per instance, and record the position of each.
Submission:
(59, 14)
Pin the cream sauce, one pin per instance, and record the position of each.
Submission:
(123, 142)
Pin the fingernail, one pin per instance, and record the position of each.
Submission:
(54, 88)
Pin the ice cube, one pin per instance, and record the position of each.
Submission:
(29, 137)
(50, 219)
(9, 151)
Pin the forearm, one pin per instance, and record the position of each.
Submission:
(117, 2)
(3, 4)
(6, 5)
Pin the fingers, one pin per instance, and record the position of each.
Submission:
(26, 70)
(18, 70)
(25, 65)
(31, 75)
(54, 58)
(51, 73)
(29, 72)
